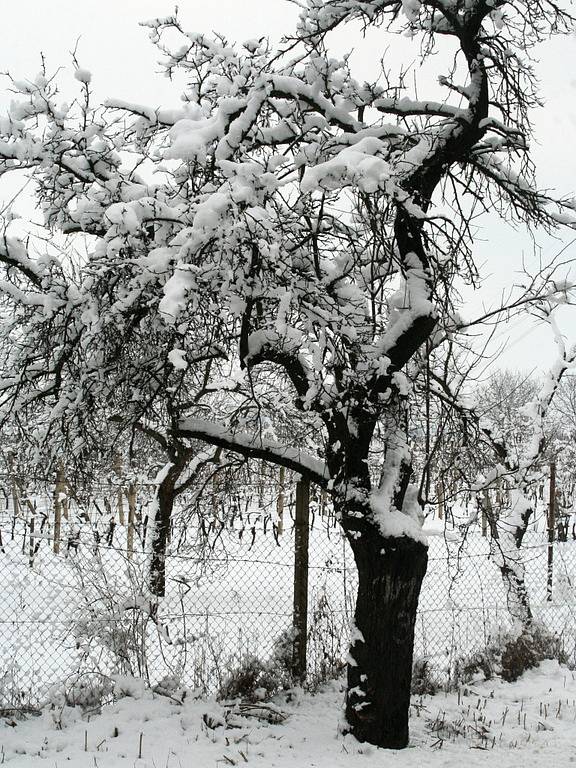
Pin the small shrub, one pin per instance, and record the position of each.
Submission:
(12, 692)
(257, 680)
(509, 654)
(484, 663)
(87, 694)
(253, 680)
(87, 691)
(526, 651)
(283, 652)
(327, 642)
(424, 682)
(128, 686)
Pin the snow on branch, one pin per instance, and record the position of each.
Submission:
(255, 446)
(14, 253)
(409, 107)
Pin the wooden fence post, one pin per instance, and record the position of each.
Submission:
(300, 615)
(551, 526)
(440, 496)
(31, 541)
(58, 491)
(65, 511)
(261, 484)
(14, 484)
(486, 510)
(215, 496)
(120, 492)
(131, 519)
(280, 502)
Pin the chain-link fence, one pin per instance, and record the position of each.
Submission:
(85, 609)
(463, 601)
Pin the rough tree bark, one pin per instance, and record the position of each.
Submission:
(180, 475)
(391, 566)
(159, 541)
(390, 574)
(506, 552)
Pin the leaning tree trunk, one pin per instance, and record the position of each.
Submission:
(507, 555)
(390, 574)
(506, 552)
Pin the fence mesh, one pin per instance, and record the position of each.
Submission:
(86, 609)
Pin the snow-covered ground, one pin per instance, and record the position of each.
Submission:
(527, 723)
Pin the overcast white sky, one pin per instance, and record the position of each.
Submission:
(123, 63)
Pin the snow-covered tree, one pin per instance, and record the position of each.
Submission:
(507, 436)
(502, 402)
(523, 470)
(264, 262)
(562, 450)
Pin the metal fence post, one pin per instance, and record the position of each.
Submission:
(551, 526)
(300, 615)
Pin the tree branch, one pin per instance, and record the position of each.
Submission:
(255, 446)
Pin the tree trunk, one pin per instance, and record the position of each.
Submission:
(508, 556)
(161, 531)
(390, 574)
(507, 535)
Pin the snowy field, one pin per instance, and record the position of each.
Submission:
(527, 723)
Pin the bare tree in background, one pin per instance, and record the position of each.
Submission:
(501, 442)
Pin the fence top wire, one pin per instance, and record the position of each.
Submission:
(176, 555)
(91, 542)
